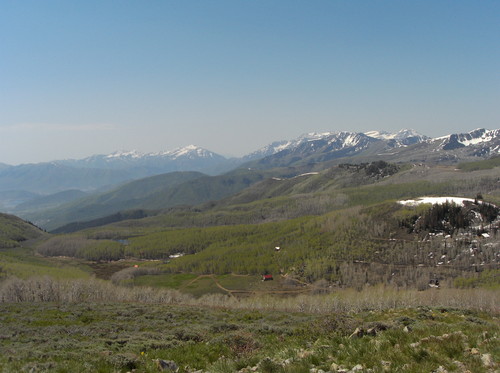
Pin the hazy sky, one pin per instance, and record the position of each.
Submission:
(85, 77)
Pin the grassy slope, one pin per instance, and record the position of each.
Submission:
(480, 165)
(14, 230)
(19, 261)
(121, 337)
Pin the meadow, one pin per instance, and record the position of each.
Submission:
(92, 326)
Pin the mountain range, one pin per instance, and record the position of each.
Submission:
(30, 187)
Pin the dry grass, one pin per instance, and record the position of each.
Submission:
(46, 289)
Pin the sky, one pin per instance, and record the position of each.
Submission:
(91, 77)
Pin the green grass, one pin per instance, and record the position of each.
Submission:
(202, 286)
(480, 165)
(489, 279)
(14, 230)
(122, 337)
(244, 282)
(167, 280)
(20, 262)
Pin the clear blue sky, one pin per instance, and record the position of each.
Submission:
(94, 76)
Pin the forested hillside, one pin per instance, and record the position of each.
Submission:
(153, 193)
(342, 225)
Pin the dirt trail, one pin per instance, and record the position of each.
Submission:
(194, 280)
(232, 292)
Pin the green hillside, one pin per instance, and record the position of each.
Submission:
(480, 165)
(14, 230)
(18, 260)
(153, 193)
(341, 225)
(132, 195)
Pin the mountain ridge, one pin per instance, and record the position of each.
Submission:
(106, 170)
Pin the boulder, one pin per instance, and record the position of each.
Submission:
(487, 360)
(166, 365)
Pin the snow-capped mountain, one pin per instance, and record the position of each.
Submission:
(336, 141)
(313, 147)
(279, 146)
(192, 157)
(481, 141)
(403, 137)
(341, 140)
(406, 145)
(191, 152)
(400, 135)
(103, 170)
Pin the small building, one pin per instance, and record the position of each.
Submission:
(267, 277)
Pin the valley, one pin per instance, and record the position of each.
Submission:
(269, 267)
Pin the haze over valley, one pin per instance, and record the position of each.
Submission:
(249, 186)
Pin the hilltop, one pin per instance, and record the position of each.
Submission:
(14, 231)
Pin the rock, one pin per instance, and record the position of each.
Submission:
(302, 354)
(460, 365)
(441, 369)
(487, 360)
(474, 351)
(338, 368)
(386, 365)
(357, 368)
(407, 329)
(167, 365)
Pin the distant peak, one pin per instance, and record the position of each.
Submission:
(190, 151)
(316, 135)
(125, 153)
(400, 135)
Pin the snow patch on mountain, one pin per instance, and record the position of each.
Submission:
(190, 151)
(125, 154)
(402, 138)
(436, 200)
(477, 138)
